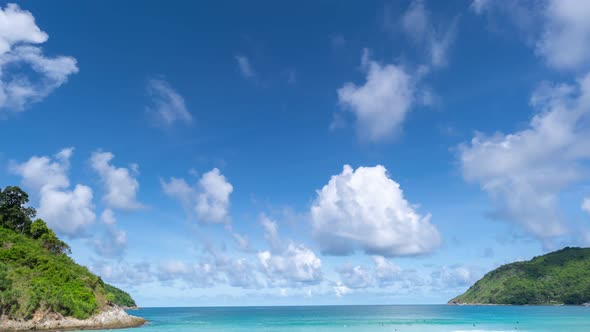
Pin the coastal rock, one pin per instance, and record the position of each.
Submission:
(112, 318)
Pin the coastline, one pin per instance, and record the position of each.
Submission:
(113, 318)
(517, 305)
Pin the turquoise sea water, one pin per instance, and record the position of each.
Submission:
(429, 318)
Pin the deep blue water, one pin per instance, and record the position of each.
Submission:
(367, 318)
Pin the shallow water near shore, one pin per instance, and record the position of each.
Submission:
(420, 318)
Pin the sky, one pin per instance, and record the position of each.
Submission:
(293, 153)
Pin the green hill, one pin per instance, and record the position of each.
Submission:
(37, 275)
(560, 277)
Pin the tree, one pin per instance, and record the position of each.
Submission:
(39, 228)
(13, 212)
(49, 241)
(15, 215)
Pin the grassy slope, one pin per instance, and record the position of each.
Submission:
(32, 278)
(560, 277)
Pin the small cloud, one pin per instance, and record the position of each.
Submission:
(479, 6)
(245, 67)
(416, 23)
(287, 263)
(455, 276)
(167, 105)
(113, 241)
(340, 290)
(381, 104)
(108, 217)
(242, 242)
(586, 205)
(119, 183)
(42, 74)
(209, 199)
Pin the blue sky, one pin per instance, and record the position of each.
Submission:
(323, 152)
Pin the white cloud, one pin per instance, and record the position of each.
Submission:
(120, 184)
(108, 217)
(416, 23)
(215, 269)
(17, 31)
(238, 272)
(213, 197)
(68, 212)
(525, 172)
(455, 276)
(209, 199)
(113, 241)
(38, 172)
(382, 275)
(124, 273)
(586, 204)
(382, 103)
(355, 277)
(340, 289)
(365, 210)
(242, 242)
(178, 189)
(168, 106)
(558, 30)
(271, 232)
(479, 6)
(386, 272)
(112, 244)
(296, 264)
(197, 275)
(288, 263)
(18, 26)
(245, 67)
(565, 41)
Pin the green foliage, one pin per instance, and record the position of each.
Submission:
(13, 212)
(39, 228)
(48, 239)
(35, 272)
(560, 277)
(7, 295)
(41, 279)
(119, 297)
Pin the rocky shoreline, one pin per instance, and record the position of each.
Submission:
(112, 318)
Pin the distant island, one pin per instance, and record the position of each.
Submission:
(560, 277)
(41, 287)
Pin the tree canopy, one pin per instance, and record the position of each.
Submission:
(14, 214)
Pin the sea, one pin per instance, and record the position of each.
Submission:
(390, 318)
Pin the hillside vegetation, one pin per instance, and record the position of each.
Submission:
(36, 273)
(560, 277)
